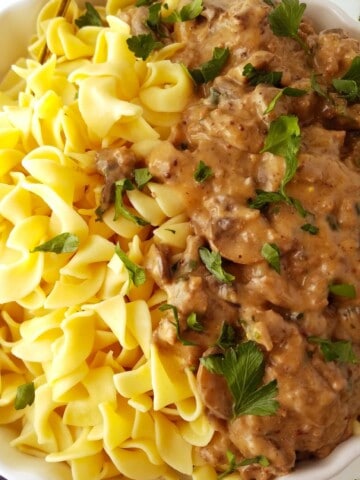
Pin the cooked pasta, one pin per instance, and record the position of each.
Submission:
(107, 401)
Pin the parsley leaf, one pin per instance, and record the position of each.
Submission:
(63, 243)
(188, 12)
(284, 139)
(90, 18)
(154, 18)
(121, 186)
(256, 76)
(234, 465)
(348, 86)
(271, 253)
(167, 306)
(285, 20)
(227, 337)
(136, 274)
(310, 228)
(243, 369)
(142, 45)
(202, 172)
(25, 395)
(288, 91)
(343, 290)
(142, 177)
(193, 323)
(338, 351)
(213, 262)
(211, 69)
(263, 198)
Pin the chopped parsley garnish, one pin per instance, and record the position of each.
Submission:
(271, 253)
(319, 89)
(284, 139)
(142, 177)
(154, 18)
(90, 18)
(348, 86)
(348, 89)
(136, 274)
(256, 76)
(188, 12)
(167, 306)
(338, 351)
(142, 45)
(234, 465)
(343, 290)
(122, 186)
(63, 243)
(310, 228)
(263, 198)
(213, 262)
(285, 20)
(193, 323)
(211, 69)
(25, 395)
(227, 337)
(243, 368)
(202, 172)
(287, 91)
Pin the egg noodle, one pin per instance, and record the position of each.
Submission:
(107, 402)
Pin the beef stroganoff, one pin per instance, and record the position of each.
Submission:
(180, 212)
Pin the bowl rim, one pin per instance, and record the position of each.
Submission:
(325, 14)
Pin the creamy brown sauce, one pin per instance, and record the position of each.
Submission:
(319, 400)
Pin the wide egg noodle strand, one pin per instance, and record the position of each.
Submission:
(106, 399)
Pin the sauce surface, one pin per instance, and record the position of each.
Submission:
(225, 127)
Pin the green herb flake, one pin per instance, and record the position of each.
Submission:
(63, 243)
(136, 274)
(348, 89)
(343, 290)
(202, 172)
(142, 177)
(213, 262)
(257, 76)
(25, 395)
(316, 87)
(310, 228)
(167, 306)
(193, 323)
(271, 253)
(339, 351)
(284, 139)
(142, 45)
(234, 465)
(263, 199)
(287, 91)
(211, 69)
(348, 86)
(227, 337)
(188, 12)
(90, 18)
(285, 20)
(243, 368)
(154, 18)
(122, 186)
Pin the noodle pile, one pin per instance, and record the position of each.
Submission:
(73, 323)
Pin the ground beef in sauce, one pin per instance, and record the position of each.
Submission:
(319, 400)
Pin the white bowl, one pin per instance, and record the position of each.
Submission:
(17, 20)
